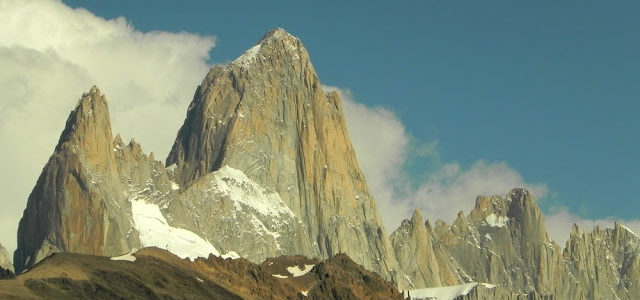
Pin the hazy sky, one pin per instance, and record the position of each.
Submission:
(444, 101)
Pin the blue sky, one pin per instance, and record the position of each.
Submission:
(550, 88)
(464, 95)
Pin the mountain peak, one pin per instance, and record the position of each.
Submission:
(275, 45)
(267, 115)
(277, 34)
(417, 219)
(88, 127)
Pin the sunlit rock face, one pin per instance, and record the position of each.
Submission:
(266, 115)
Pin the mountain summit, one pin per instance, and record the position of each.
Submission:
(77, 202)
(266, 115)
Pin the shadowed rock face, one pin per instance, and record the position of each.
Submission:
(266, 115)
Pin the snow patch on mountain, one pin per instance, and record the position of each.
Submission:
(296, 271)
(155, 231)
(443, 293)
(494, 220)
(234, 184)
(248, 57)
(126, 257)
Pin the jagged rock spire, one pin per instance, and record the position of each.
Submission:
(75, 205)
(418, 256)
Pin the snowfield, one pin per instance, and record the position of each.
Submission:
(155, 231)
(445, 292)
(234, 184)
(494, 220)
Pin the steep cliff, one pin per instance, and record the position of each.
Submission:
(78, 202)
(266, 115)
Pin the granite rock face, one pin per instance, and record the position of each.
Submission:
(605, 262)
(237, 214)
(266, 115)
(78, 203)
(503, 242)
(420, 254)
(82, 201)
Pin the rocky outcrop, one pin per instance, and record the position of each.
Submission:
(266, 115)
(78, 203)
(340, 278)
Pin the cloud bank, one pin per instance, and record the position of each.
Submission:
(50, 54)
(383, 147)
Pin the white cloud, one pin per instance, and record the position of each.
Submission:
(382, 146)
(452, 189)
(50, 54)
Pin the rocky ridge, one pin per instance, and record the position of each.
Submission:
(604, 262)
(503, 241)
(153, 273)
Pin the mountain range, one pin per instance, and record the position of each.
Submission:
(263, 168)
